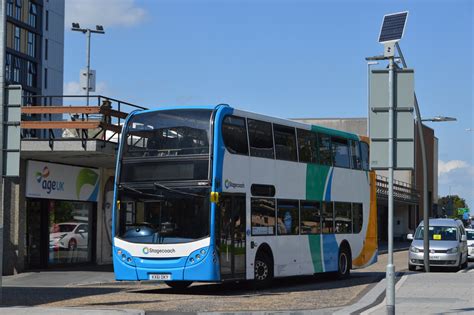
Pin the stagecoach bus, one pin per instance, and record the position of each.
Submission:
(215, 193)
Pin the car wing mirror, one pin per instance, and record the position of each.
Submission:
(410, 237)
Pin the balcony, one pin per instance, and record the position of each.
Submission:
(402, 192)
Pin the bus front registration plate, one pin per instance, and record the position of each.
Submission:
(159, 276)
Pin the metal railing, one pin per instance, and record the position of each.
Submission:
(66, 117)
(402, 191)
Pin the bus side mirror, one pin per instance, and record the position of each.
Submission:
(410, 237)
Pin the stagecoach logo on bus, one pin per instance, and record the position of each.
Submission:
(228, 184)
(149, 250)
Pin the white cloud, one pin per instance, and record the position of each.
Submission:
(108, 13)
(449, 166)
(74, 88)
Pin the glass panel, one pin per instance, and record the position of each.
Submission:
(325, 152)
(357, 215)
(285, 143)
(355, 154)
(164, 170)
(234, 133)
(308, 146)
(288, 217)
(69, 240)
(261, 138)
(327, 217)
(340, 149)
(310, 217)
(149, 217)
(364, 148)
(168, 133)
(343, 217)
(34, 227)
(438, 233)
(263, 216)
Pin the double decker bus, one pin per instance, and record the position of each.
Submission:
(215, 193)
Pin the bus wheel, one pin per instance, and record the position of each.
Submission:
(263, 271)
(343, 262)
(180, 285)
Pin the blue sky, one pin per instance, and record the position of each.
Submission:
(284, 58)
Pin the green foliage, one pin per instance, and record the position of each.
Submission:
(450, 205)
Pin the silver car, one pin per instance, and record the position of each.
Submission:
(470, 243)
(448, 245)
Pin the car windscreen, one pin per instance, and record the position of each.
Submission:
(470, 235)
(438, 233)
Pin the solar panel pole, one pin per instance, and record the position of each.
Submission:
(390, 273)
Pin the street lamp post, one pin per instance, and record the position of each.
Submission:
(99, 29)
(369, 64)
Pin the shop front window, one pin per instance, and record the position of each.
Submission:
(69, 225)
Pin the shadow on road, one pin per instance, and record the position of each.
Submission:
(279, 286)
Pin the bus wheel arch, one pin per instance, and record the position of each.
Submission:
(263, 266)
(344, 260)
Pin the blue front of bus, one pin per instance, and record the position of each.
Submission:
(163, 218)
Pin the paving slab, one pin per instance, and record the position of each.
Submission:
(68, 311)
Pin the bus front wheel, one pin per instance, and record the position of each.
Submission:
(263, 271)
(180, 285)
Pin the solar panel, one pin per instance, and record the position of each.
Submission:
(392, 27)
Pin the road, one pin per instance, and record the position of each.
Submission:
(297, 293)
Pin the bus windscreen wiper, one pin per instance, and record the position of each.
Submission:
(177, 191)
(122, 186)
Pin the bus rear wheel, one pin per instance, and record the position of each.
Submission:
(263, 271)
(344, 263)
(180, 285)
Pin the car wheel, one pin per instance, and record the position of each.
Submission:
(72, 245)
(411, 267)
(343, 263)
(263, 271)
(180, 285)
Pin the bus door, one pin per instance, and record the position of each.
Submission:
(232, 236)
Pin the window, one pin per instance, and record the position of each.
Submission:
(45, 78)
(325, 156)
(18, 9)
(308, 146)
(234, 133)
(32, 15)
(357, 217)
(262, 190)
(46, 22)
(8, 67)
(45, 49)
(343, 217)
(10, 7)
(310, 217)
(327, 217)
(364, 148)
(355, 155)
(31, 44)
(340, 149)
(30, 78)
(261, 138)
(16, 70)
(288, 217)
(16, 44)
(263, 216)
(285, 143)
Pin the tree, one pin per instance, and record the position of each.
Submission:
(449, 205)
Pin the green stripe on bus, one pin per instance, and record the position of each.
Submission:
(334, 132)
(315, 181)
(315, 248)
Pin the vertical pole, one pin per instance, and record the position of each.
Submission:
(88, 63)
(368, 99)
(390, 293)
